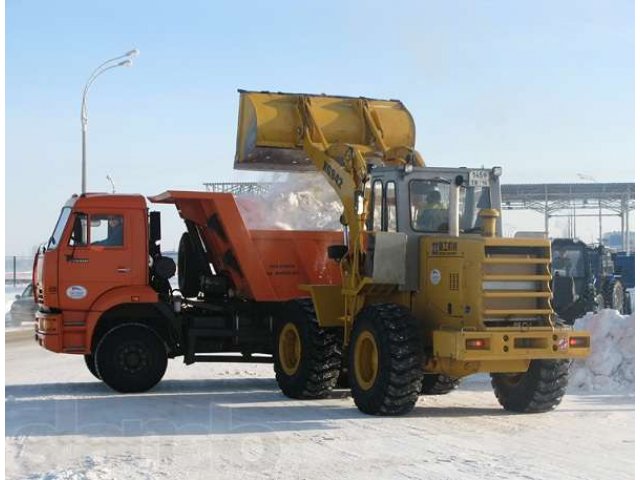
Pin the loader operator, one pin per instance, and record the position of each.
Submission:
(432, 214)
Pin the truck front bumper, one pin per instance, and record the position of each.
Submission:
(49, 331)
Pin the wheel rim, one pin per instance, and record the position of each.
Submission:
(618, 297)
(289, 349)
(599, 302)
(366, 360)
(133, 358)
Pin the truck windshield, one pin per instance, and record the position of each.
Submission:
(54, 240)
(429, 202)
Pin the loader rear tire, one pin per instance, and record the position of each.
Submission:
(131, 358)
(307, 358)
(386, 358)
(539, 389)
(90, 361)
(438, 384)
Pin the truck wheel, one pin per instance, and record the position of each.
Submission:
(539, 389)
(438, 384)
(189, 270)
(386, 358)
(131, 358)
(613, 293)
(90, 361)
(307, 358)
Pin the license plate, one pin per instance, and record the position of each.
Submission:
(479, 178)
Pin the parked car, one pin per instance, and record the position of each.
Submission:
(23, 308)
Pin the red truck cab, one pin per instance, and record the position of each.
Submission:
(87, 268)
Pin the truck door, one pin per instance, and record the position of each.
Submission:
(98, 257)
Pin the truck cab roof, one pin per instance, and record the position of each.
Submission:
(107, 200)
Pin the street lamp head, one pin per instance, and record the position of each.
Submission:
(125, 63)
(133, 53)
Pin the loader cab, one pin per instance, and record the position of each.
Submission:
(408, 203)
(416, 201)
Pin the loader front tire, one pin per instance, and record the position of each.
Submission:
(307, 358)
(438, 384)
(386, 358)
(131, 358)
(539, 389)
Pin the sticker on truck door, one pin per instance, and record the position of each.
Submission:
(76, 292)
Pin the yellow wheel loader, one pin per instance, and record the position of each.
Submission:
(431, 292)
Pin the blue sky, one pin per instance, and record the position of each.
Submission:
(544, 89)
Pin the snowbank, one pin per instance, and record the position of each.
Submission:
(611, 365)
(302, 201)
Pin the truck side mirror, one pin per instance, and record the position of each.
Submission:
(154, 227)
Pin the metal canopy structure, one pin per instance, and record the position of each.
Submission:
(238, 188)
(574, 200)
(550, 199)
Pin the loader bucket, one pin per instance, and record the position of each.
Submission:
(270, 127)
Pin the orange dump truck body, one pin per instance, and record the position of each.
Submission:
(264, 265)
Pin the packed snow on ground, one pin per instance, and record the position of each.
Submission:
(297, 201)
(611, 365)
(231, 421)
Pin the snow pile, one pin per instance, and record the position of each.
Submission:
(610, 367)
(301, 201)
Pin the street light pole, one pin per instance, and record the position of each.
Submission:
(103, 67)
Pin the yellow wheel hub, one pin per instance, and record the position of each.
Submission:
(366, 360)
(289, 349)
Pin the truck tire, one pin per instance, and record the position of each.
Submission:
(539, 389)
(613, 293)
(386, 358)
(90, 361)
(189, 270)
(131, 358)
(627, 303)
(438, 384)
(307, 358)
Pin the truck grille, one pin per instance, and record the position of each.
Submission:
(515, 286)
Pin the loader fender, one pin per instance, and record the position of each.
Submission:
(328, 302)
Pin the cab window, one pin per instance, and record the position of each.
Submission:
(377, 206)
(391, 223)
(59, 228)
(79, 234)
(107, 230)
